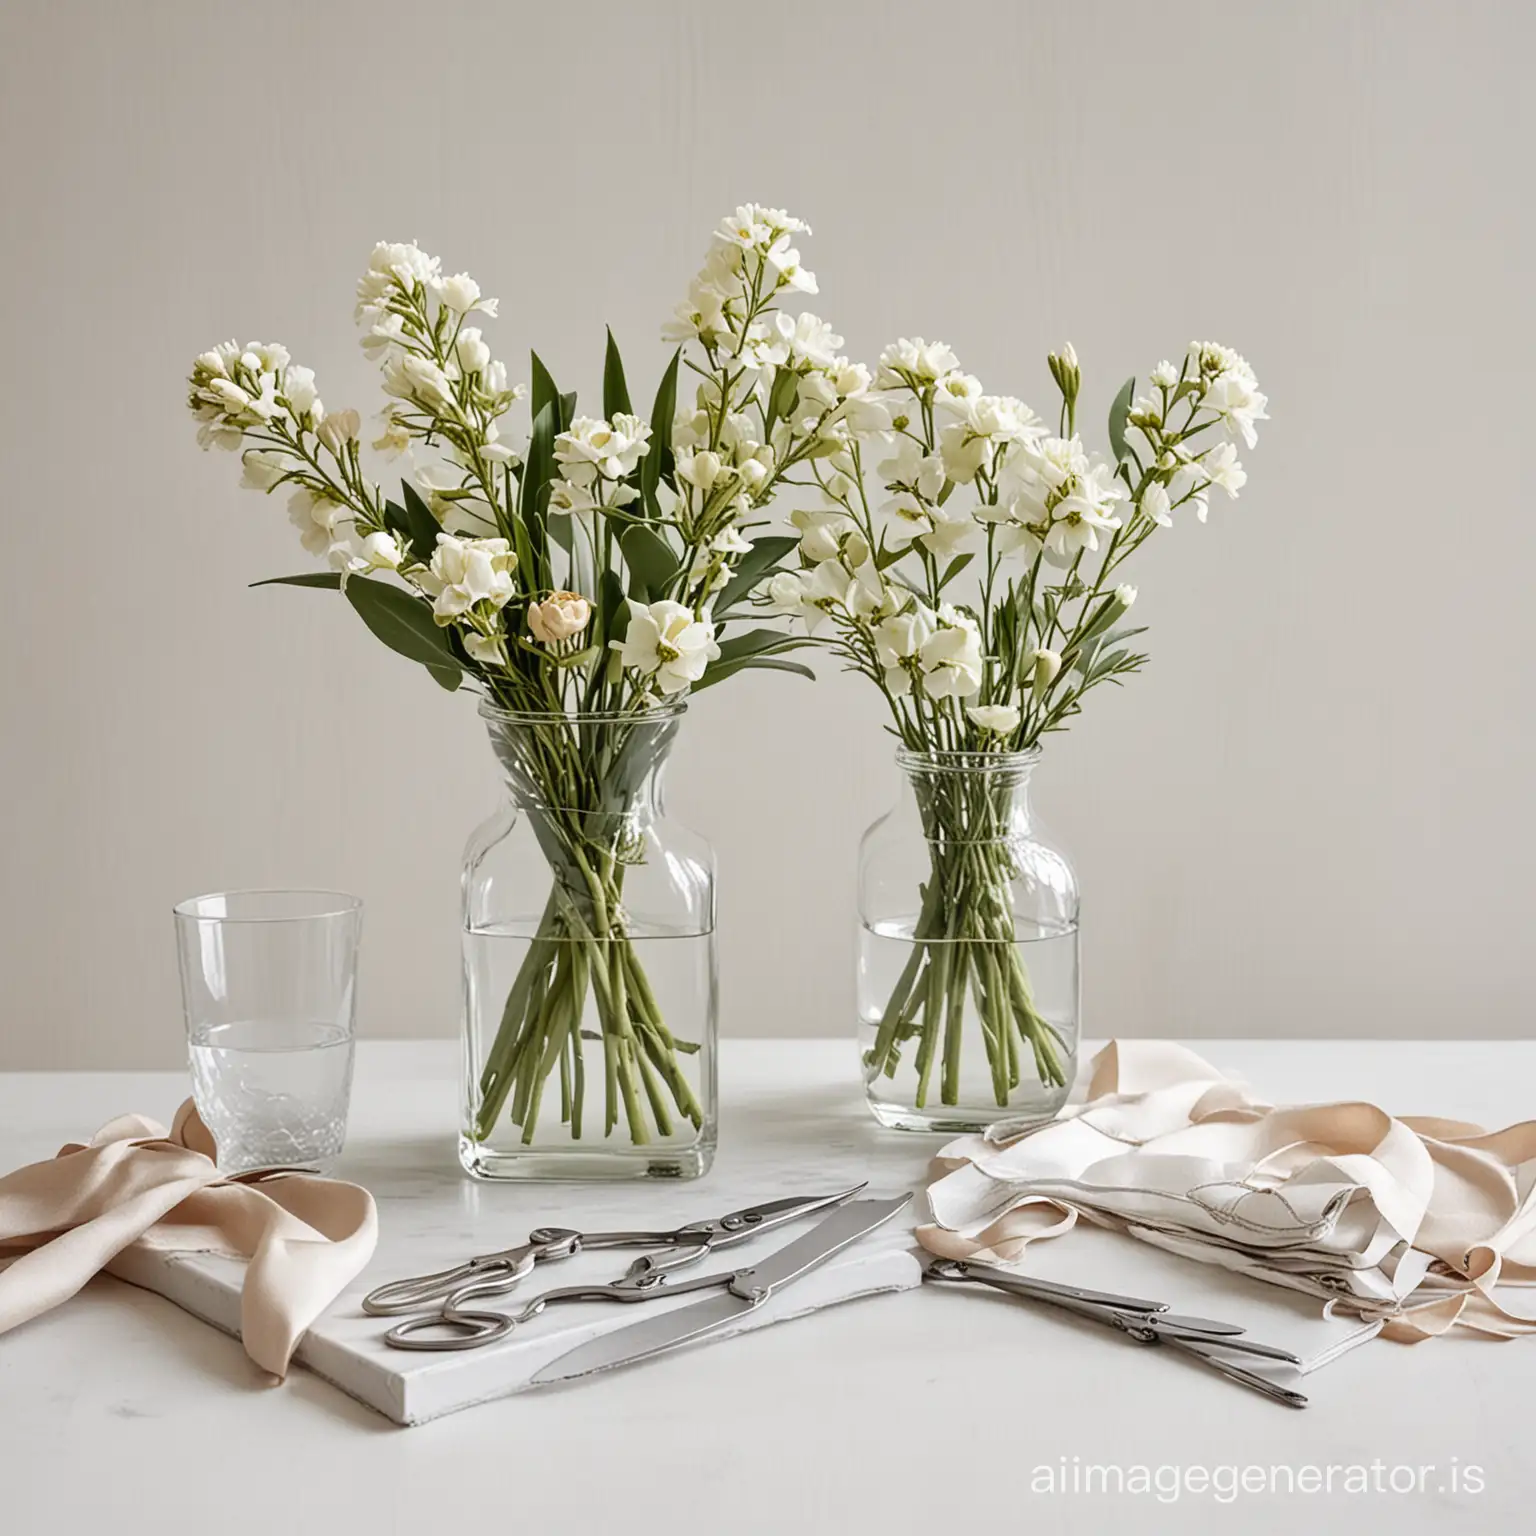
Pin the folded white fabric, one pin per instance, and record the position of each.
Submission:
(1427, 1223)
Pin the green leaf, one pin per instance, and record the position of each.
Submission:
(955, 566)
(541, 388)
(405, 624)
(528, 527)
(651, 561)
(656, 466)
(615, 390)
(422, 528)
(1117, 415)
(612, 610)
(759, 648)
(751, 641)
(781, 400)
(761, 561)
(331, 579)
(567, 411)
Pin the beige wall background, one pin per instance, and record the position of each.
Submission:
(1311, 816)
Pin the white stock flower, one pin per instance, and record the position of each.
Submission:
(461, 293)
(666, 642)
(381, 551)
(1221, 468)
(338, 429)
(786, 593)
(951, 528)
(465, 572)
(386, 332)
(558, 617)
(701, 314)
(470, 349)
(700, 468)
(315, 517)
(568, 498)
(393, 265)
(394, 438)
(912, 362)
(998, 719)
(488, 650)
(593, 447)
(1213, 360)
(409, 376)
(1125, 596)
(957, 391)
(784, 261)
(300, 392)
(899, 641)
(1238, 403)
(911, 469)
(1155, 504)
(951, 657)
(963, 452)
(262, 469)
(1165, 375)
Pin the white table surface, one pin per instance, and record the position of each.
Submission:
(902, 1413)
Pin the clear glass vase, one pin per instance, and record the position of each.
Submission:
(589, 959)
(968, 955)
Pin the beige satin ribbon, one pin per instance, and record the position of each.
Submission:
(137, 1186)
(1451, 1207)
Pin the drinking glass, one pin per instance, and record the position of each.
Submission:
(269, 990)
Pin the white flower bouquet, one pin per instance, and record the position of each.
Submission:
(967, 559)
(583, 583)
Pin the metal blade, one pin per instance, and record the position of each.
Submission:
(740, 1225)
(842, 1228)
(654, 1335)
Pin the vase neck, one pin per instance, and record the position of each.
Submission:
(971, 796)
(591, 770)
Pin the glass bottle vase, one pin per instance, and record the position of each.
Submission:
(968, 983)
(589, 959)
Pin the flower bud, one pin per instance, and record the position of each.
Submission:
(1125, 595)
(1064, 370)
(339, 428)
(1046, 666)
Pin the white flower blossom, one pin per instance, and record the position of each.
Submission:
(1221, 468)
(470, 349)
(263, 469)
(899, 642)
(487, 650)
(466, 572)
(667, 643)
(998, 719)
(461, 294)
(595, 447)
(1234, 398)
(914, 363)
(1155, 504)
(951, 656)
(409, 376)
(316, 518)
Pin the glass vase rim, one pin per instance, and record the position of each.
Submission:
(654, 714)
(934, 760)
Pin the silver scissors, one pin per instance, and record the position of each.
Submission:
(493, 1274)
(1142, 1321)
(649, 1277)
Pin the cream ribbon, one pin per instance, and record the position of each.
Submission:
(1427, 1223)
(137, 1186)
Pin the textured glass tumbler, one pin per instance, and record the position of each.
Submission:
(269, 990)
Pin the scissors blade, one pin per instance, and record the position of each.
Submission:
(774, 1213)
(655, 1335)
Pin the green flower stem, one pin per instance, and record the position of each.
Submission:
(965, 954)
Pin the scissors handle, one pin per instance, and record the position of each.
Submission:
(491, 1273)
